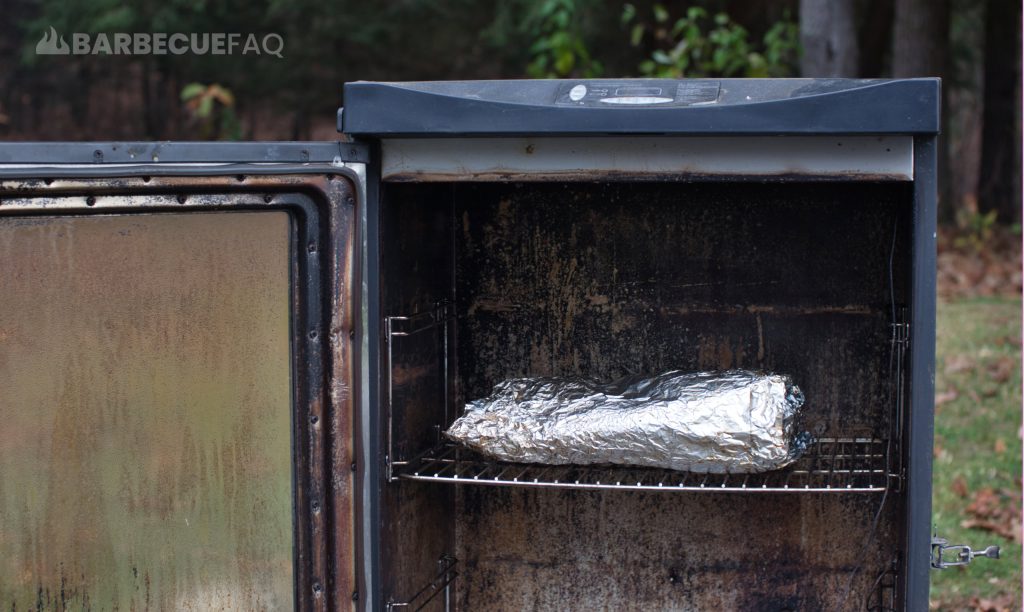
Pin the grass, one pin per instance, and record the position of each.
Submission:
(977, 444)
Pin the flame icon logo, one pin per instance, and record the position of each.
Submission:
(52, 44)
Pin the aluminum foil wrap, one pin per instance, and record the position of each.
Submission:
(718, 422)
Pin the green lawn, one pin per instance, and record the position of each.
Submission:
(978, 445)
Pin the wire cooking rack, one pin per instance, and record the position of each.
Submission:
(829, 465)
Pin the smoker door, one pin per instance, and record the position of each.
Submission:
(176, 332)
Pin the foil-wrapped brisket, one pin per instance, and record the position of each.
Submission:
(720, 422)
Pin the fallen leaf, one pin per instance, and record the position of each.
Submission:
(947, 396)
(1000, 369)
(1000, 446)
(959, 486)
(958, 363)
(1004, 602)
(970, 264)
(986, 500)
(995, 511)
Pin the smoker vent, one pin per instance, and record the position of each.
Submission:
(830, 465)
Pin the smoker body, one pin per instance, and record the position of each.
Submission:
(530, 229)
(465, 233)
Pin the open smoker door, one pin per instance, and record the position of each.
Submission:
(176, 333)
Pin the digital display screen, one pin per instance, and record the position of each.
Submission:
(638, 91)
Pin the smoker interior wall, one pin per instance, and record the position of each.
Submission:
(417, 524)
(524, 549)
(612, 279)
(617, 279)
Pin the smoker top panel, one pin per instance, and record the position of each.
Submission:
(641, 106)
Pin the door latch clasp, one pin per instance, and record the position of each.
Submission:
(946, 555)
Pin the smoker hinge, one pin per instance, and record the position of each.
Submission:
(946, 555)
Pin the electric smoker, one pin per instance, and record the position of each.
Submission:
(465, 233)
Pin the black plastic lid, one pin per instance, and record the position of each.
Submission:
(641, 106)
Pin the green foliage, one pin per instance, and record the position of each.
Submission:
(212, 109)
(978, 228)
(559, 49)
(701, 45)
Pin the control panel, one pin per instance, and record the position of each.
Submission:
(630, 94)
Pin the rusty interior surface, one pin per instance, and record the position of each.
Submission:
(626, 278)
(145, 362)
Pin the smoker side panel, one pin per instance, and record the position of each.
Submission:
(921, 418)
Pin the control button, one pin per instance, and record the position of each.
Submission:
(578, 92)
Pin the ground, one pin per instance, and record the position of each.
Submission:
(977, 478)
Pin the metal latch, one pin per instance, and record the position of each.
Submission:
(945, 555)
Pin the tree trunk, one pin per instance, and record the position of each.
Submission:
(920, 44)
(875, 36)
(828, 35)
(920, 48)
(999, 187)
